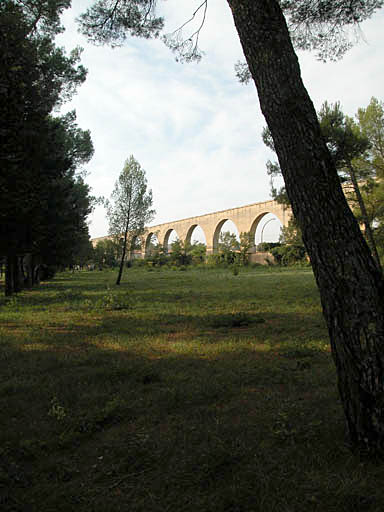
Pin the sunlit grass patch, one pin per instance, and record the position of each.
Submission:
(37, 346)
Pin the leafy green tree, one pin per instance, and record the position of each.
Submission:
(184, 253)
(180, 253)
(267, 246)
(247, 241)
(371, 122)
(348, 146)
(106, 253)
(153, 245)
(36, 77)
(42, 16)
(287, 255)
(198, 252)
(130, 207)
(84, 253)
(351, 291)
(228, 247)
(57, 228)
(291, 234)
(157, 255)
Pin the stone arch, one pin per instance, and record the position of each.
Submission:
(216, 233)
(190, 231)
(148, 240)
(135, 247)
(274, 212)
(255, 223)
(258, 219)
(166, 238)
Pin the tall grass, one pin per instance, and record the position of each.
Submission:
(177, 391)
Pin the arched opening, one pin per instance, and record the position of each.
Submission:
(135, 248)
(151, 244)
(266, 229)
(224, 229)
(197, 242)
(170, 237)
(196, 235)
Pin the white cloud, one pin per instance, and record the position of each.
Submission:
(192, 127)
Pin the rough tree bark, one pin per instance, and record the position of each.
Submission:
(350, 283)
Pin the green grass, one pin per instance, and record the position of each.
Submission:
(177, 391)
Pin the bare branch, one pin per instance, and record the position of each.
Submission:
(187, 49)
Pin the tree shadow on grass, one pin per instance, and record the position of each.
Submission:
(113, 427)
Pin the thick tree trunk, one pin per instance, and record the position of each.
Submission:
(350, 283)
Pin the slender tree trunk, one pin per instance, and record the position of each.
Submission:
(36, 274)
(123, 256)
(125, 242)
(9, 274)
(351, 285)
(364, 215)
(28, 262)
(17, 274)
(31, 270)
(13, 275)
(35, 270)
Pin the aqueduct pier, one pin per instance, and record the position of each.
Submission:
(246, 219)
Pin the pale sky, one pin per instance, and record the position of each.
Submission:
(194, 129)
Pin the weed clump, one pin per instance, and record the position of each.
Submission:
(110, 301)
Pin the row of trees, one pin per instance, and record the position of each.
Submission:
(44, 201)
(108, 253)
(230, 251)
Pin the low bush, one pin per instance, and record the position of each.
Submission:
(286, 255)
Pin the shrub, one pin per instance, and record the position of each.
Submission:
(138, 263)
(289, 254)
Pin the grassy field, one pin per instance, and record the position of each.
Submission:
(178, 391)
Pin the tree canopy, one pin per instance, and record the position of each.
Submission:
(44, 203)
(325, 26)
(355, 147)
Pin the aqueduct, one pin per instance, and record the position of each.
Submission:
(246, 219)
